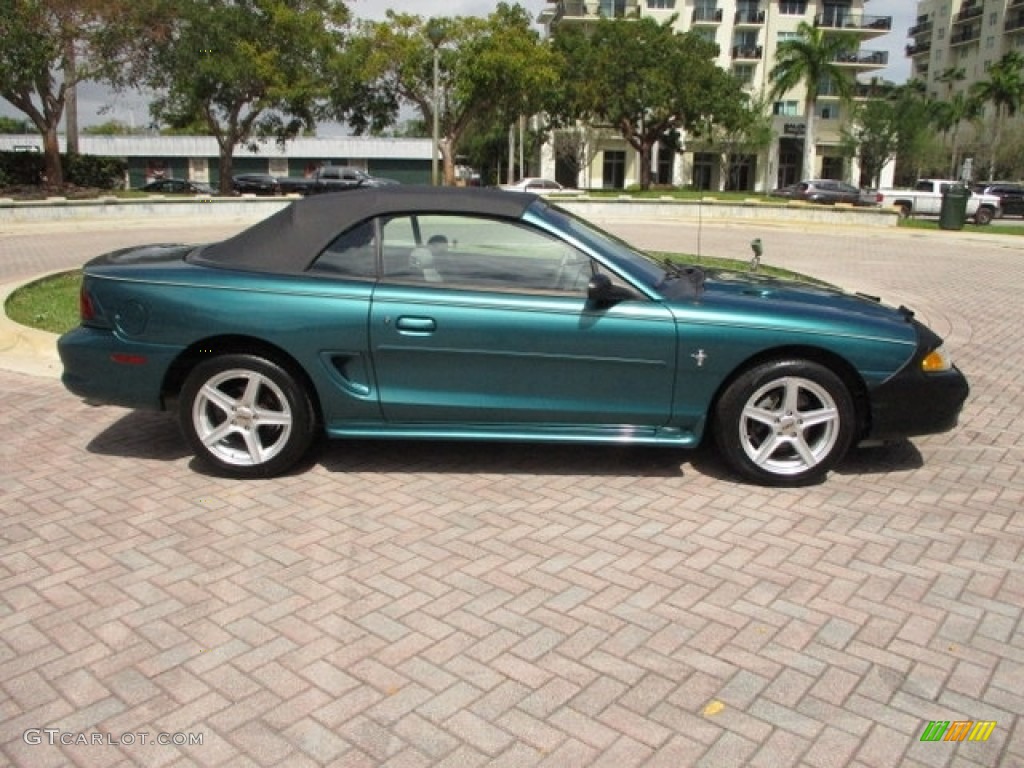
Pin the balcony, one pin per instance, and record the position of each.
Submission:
(919, 49)
(964, 36)
(923, 28)
(589, 10)
(1014, 21)
(1016, 4)
(867, 59)
(968, 13)
(749, 19)
(707, 16)
(748, 52)
(850, 23)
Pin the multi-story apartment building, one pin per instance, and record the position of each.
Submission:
(747, 33)
(962, 36)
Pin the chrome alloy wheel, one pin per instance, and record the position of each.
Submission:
(789, 425)
(242, 417)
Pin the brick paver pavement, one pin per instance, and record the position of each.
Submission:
(402, 604)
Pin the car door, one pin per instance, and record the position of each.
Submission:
(1011, 199)
(493, 326)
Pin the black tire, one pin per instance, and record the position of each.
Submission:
(905, 210)
(983, 216)
(246, 416)
(761, 428)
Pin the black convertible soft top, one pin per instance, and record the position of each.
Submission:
(287, 241)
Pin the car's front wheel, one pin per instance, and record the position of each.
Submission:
(246, 415)
(785, 422)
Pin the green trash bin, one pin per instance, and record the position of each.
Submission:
(953, 213)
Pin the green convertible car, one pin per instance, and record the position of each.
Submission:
(417, 312)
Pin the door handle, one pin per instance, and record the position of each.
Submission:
(416, 325)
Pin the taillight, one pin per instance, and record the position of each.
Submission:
(86, 309)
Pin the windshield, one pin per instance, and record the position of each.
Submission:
(616, 252)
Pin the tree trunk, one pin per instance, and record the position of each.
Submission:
(227, 152)
(809, 140)
(646, 148)
(53, 176)
(71, 97)
(448, 159)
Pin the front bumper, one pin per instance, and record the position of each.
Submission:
(916, 403)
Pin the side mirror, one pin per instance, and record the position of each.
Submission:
(602, 292)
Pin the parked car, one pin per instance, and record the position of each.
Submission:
(539, 187)
(179, 187)
(446, 313)
(331, 178)
(256, 184)
(826, 192)
(1011, 196)
(925, 199)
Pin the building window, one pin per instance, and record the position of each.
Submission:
(786, 108)
(744, 73)
(614, 169)
(782, 37)
(793, 7)
(705, 33)
(661, 5)
(613, 9)
(663, 172)
(828, 111)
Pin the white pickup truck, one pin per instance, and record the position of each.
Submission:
(925, 199)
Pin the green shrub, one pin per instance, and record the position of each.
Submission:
(95, 171)
(26, 168)
(21, 167)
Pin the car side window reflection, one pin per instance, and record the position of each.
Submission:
(352, 254)
(476, 252)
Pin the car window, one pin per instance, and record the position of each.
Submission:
(476, 252)
(352, 254)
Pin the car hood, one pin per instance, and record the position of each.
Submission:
(775, 301)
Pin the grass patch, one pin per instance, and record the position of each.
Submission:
(989, 229)
(48, 304)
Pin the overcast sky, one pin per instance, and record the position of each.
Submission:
(132, 108)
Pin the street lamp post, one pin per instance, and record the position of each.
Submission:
(435, 33)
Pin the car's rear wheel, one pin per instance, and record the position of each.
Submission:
(246, 415)
(784, 423)
(983, 216)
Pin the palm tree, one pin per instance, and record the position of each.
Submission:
(810, 59)
(949, 115)
(1005, 90)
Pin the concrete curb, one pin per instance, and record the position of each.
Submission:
(23, 349)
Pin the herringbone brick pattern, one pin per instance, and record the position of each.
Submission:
(404, 604)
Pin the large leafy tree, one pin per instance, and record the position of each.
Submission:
(810, 60)
(949, 114)
(872, 136)
(1004, 89)
(489, 70)
(245, 69)
(48, 46)
(645, 80)
(914, 134)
